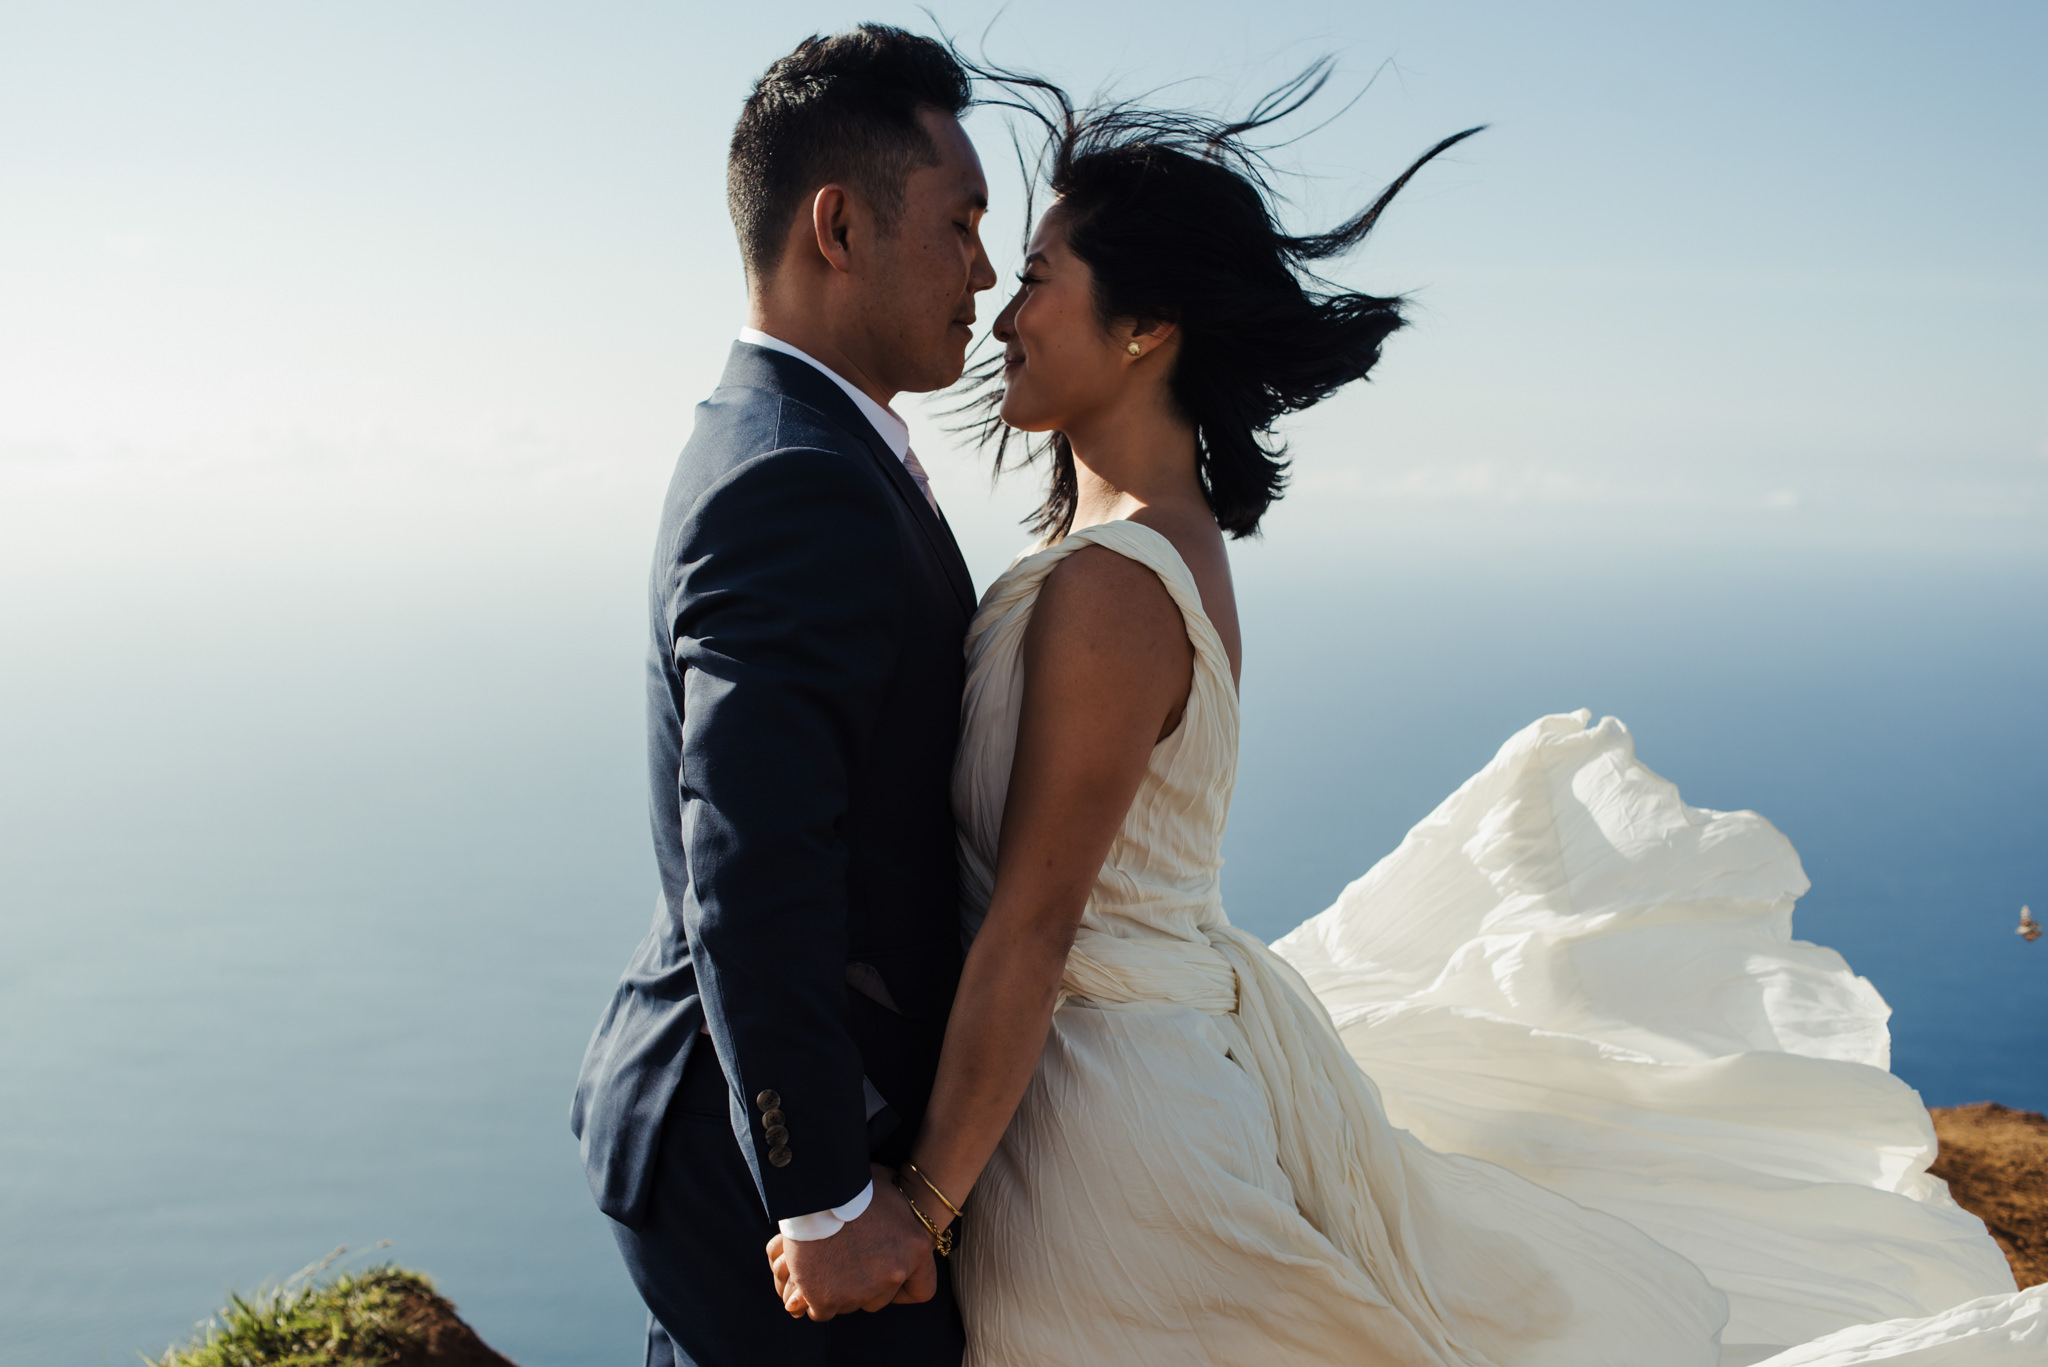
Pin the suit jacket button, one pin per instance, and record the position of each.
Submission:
(777, 1136)
(773, 1118)
(769, 1100)
(779, 1156)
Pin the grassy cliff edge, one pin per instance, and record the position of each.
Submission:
(378, 1317)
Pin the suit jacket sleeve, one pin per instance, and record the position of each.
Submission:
(785, 610)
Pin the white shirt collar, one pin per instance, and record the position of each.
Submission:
(891, 428)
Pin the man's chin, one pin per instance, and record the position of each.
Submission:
(940, 374)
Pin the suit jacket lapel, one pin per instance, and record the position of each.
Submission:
(801, 381)
(934, 526)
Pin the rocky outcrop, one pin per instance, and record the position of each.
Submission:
(435, 1336)
(1995, 1161)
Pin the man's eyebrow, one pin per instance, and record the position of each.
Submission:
(979, 201)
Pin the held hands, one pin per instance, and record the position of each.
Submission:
(883, 1258)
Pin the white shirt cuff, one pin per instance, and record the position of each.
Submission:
(823, 1224)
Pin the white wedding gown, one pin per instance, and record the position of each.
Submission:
(1638, 1124)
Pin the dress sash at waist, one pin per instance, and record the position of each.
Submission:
(1340, 1153)
(1154, 971)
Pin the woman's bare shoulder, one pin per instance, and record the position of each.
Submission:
(1096, 590)
(1108, 642)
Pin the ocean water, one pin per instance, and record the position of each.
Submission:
(313, 882)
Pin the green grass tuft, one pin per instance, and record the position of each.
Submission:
(358, 1319)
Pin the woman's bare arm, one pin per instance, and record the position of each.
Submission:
(1107, 671)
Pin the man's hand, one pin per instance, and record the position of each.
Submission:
(882, 1258)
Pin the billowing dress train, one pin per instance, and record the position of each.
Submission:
(1621, 1117)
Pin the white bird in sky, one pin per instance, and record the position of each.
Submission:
(2030, 929)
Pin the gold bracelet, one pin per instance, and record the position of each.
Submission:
(958, 1213)
(942, 1239)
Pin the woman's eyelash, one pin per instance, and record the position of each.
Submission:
(1025, 278)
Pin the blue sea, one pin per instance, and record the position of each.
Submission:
(313, 881)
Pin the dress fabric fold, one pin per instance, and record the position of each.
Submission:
(1550, 1087)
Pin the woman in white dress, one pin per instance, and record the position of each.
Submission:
(1638, 1124)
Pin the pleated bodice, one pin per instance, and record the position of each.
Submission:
(1161, 879)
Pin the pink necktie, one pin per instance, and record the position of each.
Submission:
(924, 485)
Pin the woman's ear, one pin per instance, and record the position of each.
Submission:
(1142, 337)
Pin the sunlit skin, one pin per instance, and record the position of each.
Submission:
(1107, 672)
(891, 312)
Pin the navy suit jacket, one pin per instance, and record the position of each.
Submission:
(807, 611)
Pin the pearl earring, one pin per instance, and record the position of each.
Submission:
(1134, 348)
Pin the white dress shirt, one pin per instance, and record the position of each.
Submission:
(823, 1224)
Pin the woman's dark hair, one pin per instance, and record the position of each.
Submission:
(1172, 212)
(839, 108)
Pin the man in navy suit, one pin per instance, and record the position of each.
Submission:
(769, 1052)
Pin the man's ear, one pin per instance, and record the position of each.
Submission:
(832, 225)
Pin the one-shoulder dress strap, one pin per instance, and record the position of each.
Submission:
(1152, 549)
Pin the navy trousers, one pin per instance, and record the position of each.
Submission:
(701, 1263)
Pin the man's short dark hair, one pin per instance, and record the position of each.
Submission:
(843, 109)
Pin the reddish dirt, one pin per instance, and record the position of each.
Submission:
(445, 1340)
(1995, 1161)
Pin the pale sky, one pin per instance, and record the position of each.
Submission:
(383, 280)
